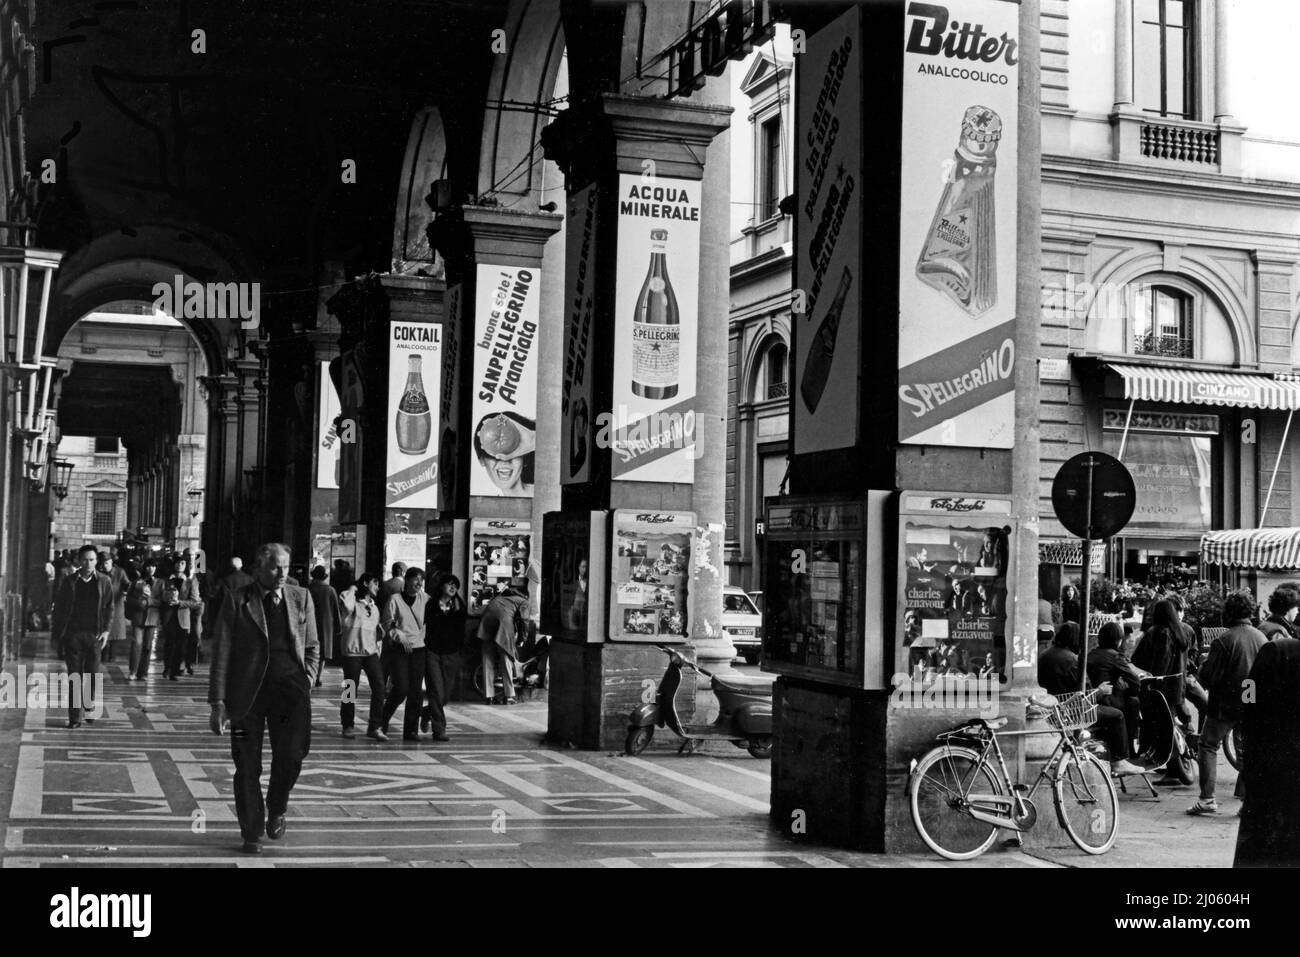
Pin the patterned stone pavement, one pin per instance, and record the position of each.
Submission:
(148, 784)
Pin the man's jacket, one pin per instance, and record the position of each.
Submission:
(241, 648)
(63, 601)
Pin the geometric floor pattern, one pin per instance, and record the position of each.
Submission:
(149, 784)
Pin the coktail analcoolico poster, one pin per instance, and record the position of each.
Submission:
(652, 435)
(577, 425)
(957, 268)
(827, 301)
(505, 381)
(414, 372)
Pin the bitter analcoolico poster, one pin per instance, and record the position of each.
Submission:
(656, 306)
(414, 374)
(505, 381)
(957, 269)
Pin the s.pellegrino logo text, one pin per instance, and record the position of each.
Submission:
(964, 41)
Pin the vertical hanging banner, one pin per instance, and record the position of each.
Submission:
(414, 373)
(957, 268)
(449, 404)
(352, 400)
(505, 381)
(576, 425)
(329, 449)
(656, 305)
(828, 268)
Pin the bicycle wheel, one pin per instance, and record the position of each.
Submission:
(936, 790)
(1086, 802)
(1232, 747)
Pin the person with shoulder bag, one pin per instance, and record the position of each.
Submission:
(359, 648)
(403, 623)
(145, 597)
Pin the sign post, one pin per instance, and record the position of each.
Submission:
(1093, 496)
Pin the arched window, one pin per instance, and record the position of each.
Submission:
(776, 368)
(1162, 323)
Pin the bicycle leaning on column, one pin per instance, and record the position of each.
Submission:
(962, 794)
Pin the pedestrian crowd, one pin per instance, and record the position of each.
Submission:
(1244, 683)
(269, 638)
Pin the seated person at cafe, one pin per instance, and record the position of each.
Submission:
(1107, 665)
(1058, 673)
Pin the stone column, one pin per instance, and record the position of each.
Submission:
(1123, 55)
(595, 144)
(1222, 87)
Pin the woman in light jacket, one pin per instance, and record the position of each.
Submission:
(146, 595)
(403, 622)
(360, 652)
(181, 599)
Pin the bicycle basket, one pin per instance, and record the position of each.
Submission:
(1074, 711)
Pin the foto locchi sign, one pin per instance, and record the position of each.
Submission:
(728, 33)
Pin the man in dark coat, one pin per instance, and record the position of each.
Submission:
(265, 658)
(79, 630)
(329, 616)
(1224, 676)
(1269, 835)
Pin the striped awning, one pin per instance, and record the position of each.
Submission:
(1239, 389)
(1252, 548)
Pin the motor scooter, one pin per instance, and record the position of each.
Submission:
(744, 716)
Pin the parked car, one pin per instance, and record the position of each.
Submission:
(743, 622)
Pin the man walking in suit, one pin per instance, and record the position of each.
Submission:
(79, 629)
(265, 658)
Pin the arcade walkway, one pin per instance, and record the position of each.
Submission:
(148, 784)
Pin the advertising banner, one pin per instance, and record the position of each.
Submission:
(352, 400)
(498, 551)
(828, 289)
(650, 566)
(329, 461)
(449, 405)
(954, 573)
(414, 374)
(576, 420)
(957, 265)
(652, 433)
(505, 381)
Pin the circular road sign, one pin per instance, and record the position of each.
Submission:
(1113, 495)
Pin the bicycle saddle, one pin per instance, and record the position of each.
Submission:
(1044, 701)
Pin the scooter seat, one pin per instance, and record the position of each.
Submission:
(746, 684)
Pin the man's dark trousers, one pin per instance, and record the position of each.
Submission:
(81, 657)
(283, 703)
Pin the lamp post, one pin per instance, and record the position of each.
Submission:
(62, 478)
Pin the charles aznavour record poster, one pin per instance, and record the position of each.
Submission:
(656, 308)
(957, 268)
(505, 381)
(414, 373)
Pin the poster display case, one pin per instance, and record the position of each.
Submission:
(498, 552)
(573, 575)
(650, 557)
(954, 585)
(823, 589)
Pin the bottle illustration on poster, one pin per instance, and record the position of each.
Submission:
(656, 328)
(960, 253)
(414, 420)
(817, 367)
